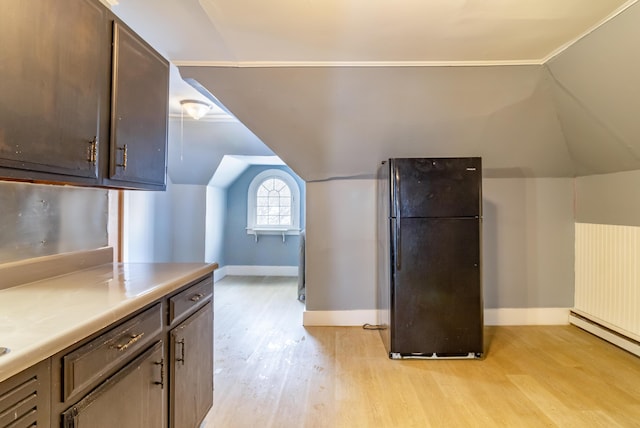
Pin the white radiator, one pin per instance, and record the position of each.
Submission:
(607, 271)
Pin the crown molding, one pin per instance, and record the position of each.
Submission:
(590, 30)
(300, 64)
(207, 118)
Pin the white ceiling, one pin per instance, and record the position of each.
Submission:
(334, 86)
(246, 32)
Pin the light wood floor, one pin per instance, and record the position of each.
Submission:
(272, 372)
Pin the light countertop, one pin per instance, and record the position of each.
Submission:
(41, 318)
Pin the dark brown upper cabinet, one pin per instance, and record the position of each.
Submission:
(83, 100)
(52, 88)
(139, 111)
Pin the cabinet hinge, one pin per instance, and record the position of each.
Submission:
(70, 418)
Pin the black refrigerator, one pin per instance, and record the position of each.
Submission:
(429, 257)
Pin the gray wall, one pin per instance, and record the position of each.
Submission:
(215, 225)
(147, 226)
(241, 248)
(528, 243)
(170, 226)
(341, 245)
(188, 219)
(609, 199)
(40, 220)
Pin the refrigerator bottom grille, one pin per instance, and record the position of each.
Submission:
(436, 356)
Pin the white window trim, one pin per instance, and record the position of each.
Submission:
(252, 228)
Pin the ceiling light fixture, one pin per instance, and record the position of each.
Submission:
(194, 108)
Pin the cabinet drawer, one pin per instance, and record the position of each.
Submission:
(93, 361)
(131, 398)
(191, 298)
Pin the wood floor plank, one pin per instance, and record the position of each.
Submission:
(270, 371)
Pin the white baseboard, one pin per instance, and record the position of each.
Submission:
(602, 332)
(219, 273)
(526, 316)
(502, 316)
(261, 270)
(339, 318)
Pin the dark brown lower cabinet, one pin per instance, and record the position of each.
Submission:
(131, 398)
(24, 398)
(152, 369)
(191, 351)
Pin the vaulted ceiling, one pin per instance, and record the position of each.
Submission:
(536, 87)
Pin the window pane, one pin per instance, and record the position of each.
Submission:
(273, 211)
(268, 184)
(278, 185)
(274, 201)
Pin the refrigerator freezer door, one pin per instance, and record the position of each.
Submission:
(437, 187)
(437, 301)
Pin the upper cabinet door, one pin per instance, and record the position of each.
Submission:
(139, 112)
(53, 88)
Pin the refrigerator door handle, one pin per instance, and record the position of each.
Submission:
(396, 242)
(396, 193)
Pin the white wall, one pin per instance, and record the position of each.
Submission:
(528, 244)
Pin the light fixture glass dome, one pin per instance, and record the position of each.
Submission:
(195, 108)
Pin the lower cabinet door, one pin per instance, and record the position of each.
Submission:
(132, 398)
(192, 369)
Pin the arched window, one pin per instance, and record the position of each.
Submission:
(273, 204)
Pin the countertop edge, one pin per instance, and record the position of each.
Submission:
(16, 361)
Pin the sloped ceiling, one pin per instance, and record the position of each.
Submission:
(333, 87)
(196, 148)
(597, 96)
(341, 121)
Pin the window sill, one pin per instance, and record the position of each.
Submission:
(255, 231)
